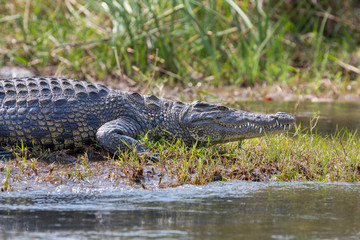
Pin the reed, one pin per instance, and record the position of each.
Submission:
(183, 41)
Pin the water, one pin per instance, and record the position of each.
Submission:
(216, 211)
(332, 115)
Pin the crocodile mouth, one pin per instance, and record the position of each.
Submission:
(234, 125)
(255, 127)
(212, 131)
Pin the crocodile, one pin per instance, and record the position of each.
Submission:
(58, 113)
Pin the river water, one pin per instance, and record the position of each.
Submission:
(221, 210)
(236, 210)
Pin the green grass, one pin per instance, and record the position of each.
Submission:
(6, 180)
(181, 42)
(299, 156)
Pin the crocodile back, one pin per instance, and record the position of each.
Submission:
(53, 112)
(18, 92)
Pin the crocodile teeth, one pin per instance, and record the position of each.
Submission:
(253, 126)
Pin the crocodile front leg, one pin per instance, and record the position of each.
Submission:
(120, 135)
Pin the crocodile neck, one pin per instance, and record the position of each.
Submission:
(156, 117)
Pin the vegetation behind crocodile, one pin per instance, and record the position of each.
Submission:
(60, 113)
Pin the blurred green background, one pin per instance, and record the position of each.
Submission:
(177, 42)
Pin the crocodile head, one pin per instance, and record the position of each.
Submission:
(216, 123)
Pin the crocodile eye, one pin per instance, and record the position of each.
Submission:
(199, 104)
(222, 108)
